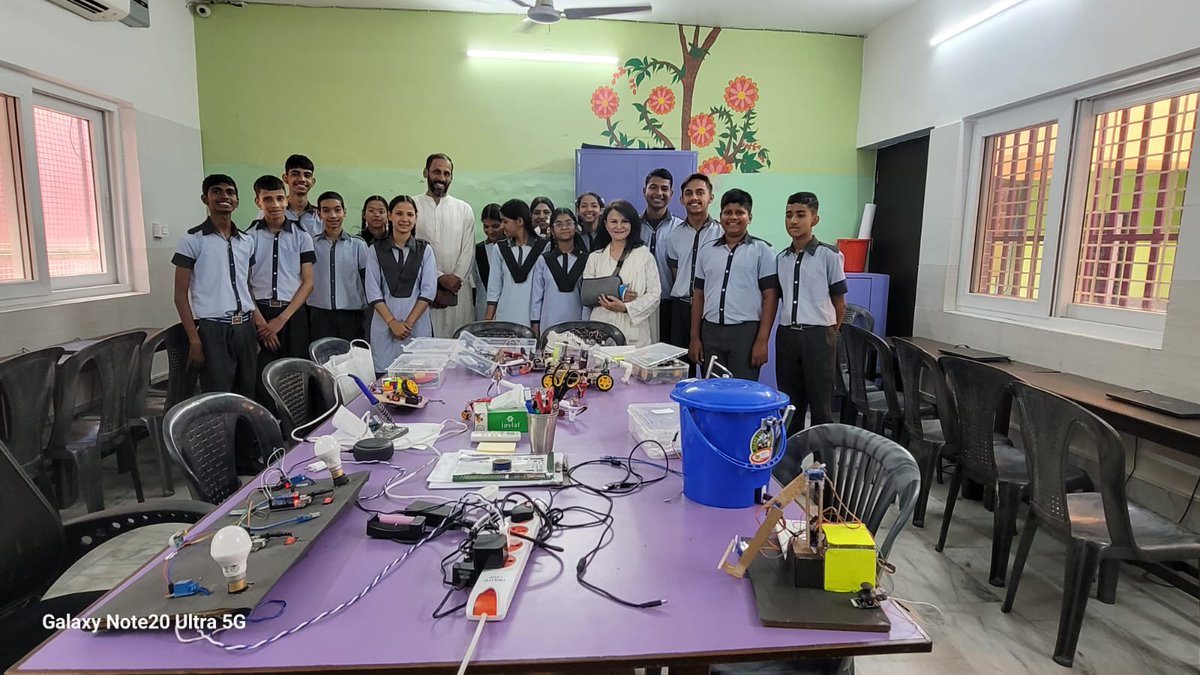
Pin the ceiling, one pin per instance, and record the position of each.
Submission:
(844, 17)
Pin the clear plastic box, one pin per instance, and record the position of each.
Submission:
(667, 373)
(658, 422)
(655, 354)
(433, 345)
(427, 370)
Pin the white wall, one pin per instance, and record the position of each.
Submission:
(1036, 48)
(154, 70)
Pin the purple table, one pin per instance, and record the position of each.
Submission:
(660, 550)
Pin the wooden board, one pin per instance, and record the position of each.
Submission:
(782, 605)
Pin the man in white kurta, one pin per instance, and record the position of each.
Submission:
(449, 225)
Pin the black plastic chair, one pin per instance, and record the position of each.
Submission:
(934, 440)
(592, 332)
(78, 443)
(1101, 528)
(147, 407)
(322, 349)
(302, 391)
(987, 456)
(39, 547)
(26, 384)
(200, 435)
(870, 473)
(496, 329)
(866, 355)
(855, 315)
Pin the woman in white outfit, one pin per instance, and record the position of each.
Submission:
(620, 252)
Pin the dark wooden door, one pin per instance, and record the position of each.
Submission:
(896, 234)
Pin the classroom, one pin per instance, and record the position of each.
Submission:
(892, 302)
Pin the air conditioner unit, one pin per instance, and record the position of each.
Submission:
(139, 14)
(97, 10)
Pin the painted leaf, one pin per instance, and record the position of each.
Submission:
(751, 165)
(642, 144)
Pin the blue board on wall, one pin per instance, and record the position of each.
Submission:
(621, 174)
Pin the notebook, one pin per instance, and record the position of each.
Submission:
(1157, 402)
(965, 352)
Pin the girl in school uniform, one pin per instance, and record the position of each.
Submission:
(374, 219)
(541, 208)
(401, 283)
(335, 306)
(620, 252)
(512, 260)
(589, 206)
(557, 275)
(492, 233)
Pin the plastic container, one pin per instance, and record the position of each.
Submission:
(655, 422)
(855, 254)
(666, 373)
(433, 345)
(427, 370)
(653, 355)
(731, 432)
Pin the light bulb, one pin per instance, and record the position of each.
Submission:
(230, 548)
(329, 451)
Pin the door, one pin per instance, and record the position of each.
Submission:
(896, 234)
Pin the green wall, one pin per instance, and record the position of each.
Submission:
(369, 93)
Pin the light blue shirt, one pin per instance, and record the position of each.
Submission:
(278, 257)
(512, 298)
(549, 304)
(808, 283)
(733, 279)
(338, 272)
(309, 219)
(422, 285)
(683, 244)
(656, 239)
(220, 269)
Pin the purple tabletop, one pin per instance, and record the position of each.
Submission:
(660, 549)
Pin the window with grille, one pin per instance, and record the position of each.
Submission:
(70, 211)
(1014, 201)
(1140, 158)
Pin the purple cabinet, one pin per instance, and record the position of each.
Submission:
(621, 174)
(863, 289)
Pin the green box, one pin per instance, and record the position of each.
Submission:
(500, 420)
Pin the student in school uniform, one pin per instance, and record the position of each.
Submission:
(509, 289)
(299, 175)
(657, 225)
(541, 208)
(335, 307)
(588, 207)
(375, 225)
(402, 279)
(281, 278)
(557, 275)
(813, 289)
(685, 241)
(492, 233)
(622, 253)
(212, 266)
(736, 294)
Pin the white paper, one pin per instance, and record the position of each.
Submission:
(868, 219)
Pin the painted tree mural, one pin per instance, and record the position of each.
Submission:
(730, 129)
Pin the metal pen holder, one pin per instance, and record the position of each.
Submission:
(541, 432)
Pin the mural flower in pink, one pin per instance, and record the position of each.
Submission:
(715, 165)
(741, 94)
(605, 102)
(661, 101)
(702, 130)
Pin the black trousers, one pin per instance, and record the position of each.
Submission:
(731, 344)
(680, 334)
(293, 342)
(230, 357)
(346, 324)
(805, 364)
(665, 313)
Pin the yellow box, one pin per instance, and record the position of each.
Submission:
(850, 557)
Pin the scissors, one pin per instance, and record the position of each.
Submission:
(562, 379)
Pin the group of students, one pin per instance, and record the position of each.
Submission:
(247, 297)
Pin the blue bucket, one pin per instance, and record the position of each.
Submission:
(732, 432)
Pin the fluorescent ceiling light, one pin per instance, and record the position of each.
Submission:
(551, 57)
(971, 22)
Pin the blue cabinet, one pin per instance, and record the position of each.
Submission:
(621, 174)
(864, 289)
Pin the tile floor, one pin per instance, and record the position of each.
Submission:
(1151, 629)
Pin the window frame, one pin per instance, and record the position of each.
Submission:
(1076, 106)
(112, 143)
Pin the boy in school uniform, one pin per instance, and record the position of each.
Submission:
(736, 294)
(281, 277)
(335, 307)
(212, 266)
(697, 231)
(813, 285)
(657, 225)
(299, 175)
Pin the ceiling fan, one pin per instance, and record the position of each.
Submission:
(544, 12)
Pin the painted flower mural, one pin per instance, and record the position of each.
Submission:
(730, 129)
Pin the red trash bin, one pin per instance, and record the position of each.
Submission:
(855, 252)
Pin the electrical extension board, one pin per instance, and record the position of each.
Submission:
(495, 436)
(495, 589)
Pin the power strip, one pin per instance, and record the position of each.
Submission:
(495, 436)
(495, 589)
